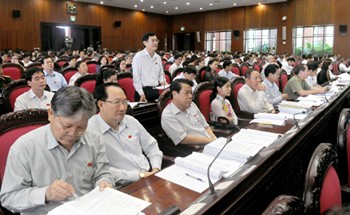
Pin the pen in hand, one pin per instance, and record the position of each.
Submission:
(73, 193)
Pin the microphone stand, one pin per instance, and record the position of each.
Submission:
(211, 186)
(295, 120)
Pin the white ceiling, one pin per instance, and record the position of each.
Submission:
(168, 7)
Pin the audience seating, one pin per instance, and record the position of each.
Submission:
(91, 66)
(126, 82)
(12, 91)
(201, 73)
(257, 66)
(12, 126)
(244, 68)
(342, 147)
(201, 96)
(14, 70)
(177, 72)
(322, 187)
(109, 66)
(237, 83)
(33, 65)
(61, 62)
(283, 80)
(68, 73)
(285, 205)
(236, 70)
(167, 65)
(87, 81)
(167, 77)
(335, 69)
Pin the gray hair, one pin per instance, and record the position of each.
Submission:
(72, 101)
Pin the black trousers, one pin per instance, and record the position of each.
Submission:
(151, 94)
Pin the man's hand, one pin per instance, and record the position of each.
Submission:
(104, 184)
(59, 190)
(143, 98)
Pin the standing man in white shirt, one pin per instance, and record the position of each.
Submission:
(36, 97)
(82, 70)
(148, 70)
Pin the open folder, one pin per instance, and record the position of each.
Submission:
(106, 202)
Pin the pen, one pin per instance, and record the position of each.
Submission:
(194, 177)
(73, 194)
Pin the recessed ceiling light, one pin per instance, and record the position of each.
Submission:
(201, 8)
(166, 11)
(141, 0)
(234, 4)
(164, 2)
(188, 3)
(135, 5)
(143, 9)
(101, 2)
(151, 6)
(176, 8)
(259, 3)
(211, 4)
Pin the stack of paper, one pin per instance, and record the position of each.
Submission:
(269, 118)
(107, 202)
(290, 107)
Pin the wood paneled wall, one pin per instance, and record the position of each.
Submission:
(24, 32)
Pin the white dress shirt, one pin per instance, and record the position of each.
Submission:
(30, 100)
(182, 76)
(253, 101)
(273, 94)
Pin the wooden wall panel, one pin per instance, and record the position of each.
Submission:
(24, 32)
(314, 12)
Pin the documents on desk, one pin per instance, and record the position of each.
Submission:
(107, 202)
(290, 107)
(269, 119)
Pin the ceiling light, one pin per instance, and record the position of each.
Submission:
(211, 4)
(164, 2)
(166, 11)
(176, 8)
(259, 3)
(143, 9)
(141, 0)
(151, 6)
(135, 5)
(188, 3)
(234, 4)
(201, 8)
(101, 2)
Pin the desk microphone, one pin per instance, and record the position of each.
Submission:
(325, 98)
(211, 186)
(296, 121)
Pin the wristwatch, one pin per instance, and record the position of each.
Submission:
(142, 174)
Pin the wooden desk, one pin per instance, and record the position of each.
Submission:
(278, 169)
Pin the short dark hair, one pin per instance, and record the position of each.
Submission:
(176, 85)
(312, 65)
(226, 63)
(212, 61)
(46, 57)
(271, 68)
(147, 35)
(100, 93)
(103, 75)
(177, 55)
(249, 73)
(291, 59)
(296, 70)
(71, 100)
(78, 63)
(30, 72)
(190, 70)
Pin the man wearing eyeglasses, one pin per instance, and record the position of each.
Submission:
(56, 162)
(132, 152)
(147, 70)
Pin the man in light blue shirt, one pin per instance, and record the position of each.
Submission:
(274, 96)
(54, 79)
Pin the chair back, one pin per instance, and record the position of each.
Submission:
(107, 66)
(87, 81)
(322, 188)
(201, 97)
(13, 125)
(177, 72)
(235, 87)
(68, 73)
(236, 70)
(14, 70)
(343, 138)
(201, 73)
(335, 69)
(283, 80)
(91, 66)
(167, 65)
(126, 82)
(285, 205)
(164, 100)
(12, 91)
(61, 62)
(167, 76)
(244, 68)
(257, 66)
(34, 65)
